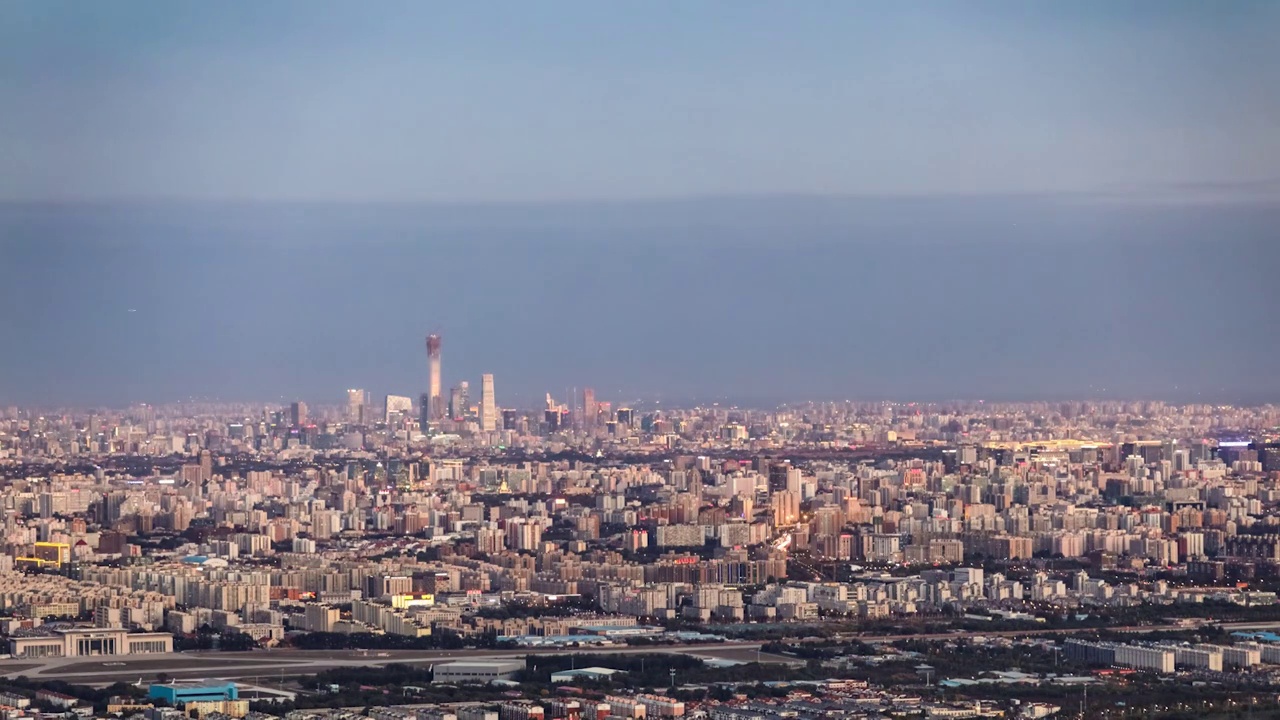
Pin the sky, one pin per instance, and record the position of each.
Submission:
(569, 100)
(739, 200)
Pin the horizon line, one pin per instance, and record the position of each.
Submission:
(1101, 193)
(688, 403)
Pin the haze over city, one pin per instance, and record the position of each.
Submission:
(756, 302)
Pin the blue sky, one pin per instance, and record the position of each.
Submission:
(494, 101)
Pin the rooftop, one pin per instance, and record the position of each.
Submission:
(195, 684)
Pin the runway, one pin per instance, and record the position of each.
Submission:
(293, 663)
(289, 663)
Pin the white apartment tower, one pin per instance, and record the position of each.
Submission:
(488, 406)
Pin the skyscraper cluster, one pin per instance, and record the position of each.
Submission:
(434, 407)
(441, 414)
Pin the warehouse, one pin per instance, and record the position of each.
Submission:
(591, 673)
(477, 671)
(179, 693)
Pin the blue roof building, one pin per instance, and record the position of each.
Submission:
(180, 693)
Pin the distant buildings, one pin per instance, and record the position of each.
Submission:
(590, 411)
(1139, 657)
(398, 406)
(298, 414)
(488, 404)
(435, 401)
(356, 401)
(458, 400)
(266, 521)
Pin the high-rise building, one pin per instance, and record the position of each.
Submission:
(424, 411)
(206, 465)
(589, 409)
(523, 533)
(321, 618)
(355, 406)
(785, 506)
(397, 406)
(488, 406)
(458, 400)
(1269, 455)
(436, 406)
(298, 414)
(778, 476)
(112, 506)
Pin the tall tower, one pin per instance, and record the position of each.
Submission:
(458, 400)
(488, 406)
(436, 409)
(355, 406)
(298, 414)
(589, 409)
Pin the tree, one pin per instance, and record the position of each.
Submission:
(237, 642)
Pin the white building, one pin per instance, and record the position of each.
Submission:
(1237, 656)
(1198, 657)
(1145, 658)
(397, 405)
(488, 405)
(477, 671)
(89, 642)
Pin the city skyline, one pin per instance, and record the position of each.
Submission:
(1038, 531)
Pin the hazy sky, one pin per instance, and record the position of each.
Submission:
(862, 199)
(570, 100)
(753, 300)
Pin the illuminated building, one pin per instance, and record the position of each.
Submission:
(435, 402)
(355, 406)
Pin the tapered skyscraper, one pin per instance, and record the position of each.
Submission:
(435, 409)
(488, 406)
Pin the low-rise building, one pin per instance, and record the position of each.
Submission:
(87, 642)
(477, 670)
